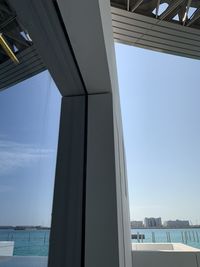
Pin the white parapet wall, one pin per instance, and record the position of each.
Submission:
(165, 255)
(6, 248)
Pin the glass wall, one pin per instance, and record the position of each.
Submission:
(160, 109)
(29, 124)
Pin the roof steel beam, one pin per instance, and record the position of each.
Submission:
(181, 13)
(128, 5)
(186, 12)
(7, 49)
(136, 5)
(172, 6)
(194, 17)
(171, 15)
(157, 8)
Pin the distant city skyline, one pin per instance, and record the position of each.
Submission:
(159, 96)
(152, 222)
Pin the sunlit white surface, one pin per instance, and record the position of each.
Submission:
(165, 255)
(163, 247)
(6, 248)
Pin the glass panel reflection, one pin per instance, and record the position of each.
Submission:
(29, 121)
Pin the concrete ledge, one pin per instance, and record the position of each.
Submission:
(165, 255)
(6, 248)
(163, 247)
(23, 261)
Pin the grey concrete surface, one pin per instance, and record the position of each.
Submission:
(165, 259)
(23, 261)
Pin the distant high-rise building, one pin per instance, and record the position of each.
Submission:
(137, 224)
(152, 222)
(177, 224)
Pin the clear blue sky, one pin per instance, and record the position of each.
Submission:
(160, 99)
(29, 116)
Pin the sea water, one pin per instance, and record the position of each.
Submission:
(36, 242)
(26, 242)
(189, 236)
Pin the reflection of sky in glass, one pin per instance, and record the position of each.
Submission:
(29, 120)
(160, 106)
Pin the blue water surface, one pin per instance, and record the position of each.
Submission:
(27, 243)
(36, 242)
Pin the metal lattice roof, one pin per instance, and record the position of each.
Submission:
(170, 26)
(183, 12)
(13, 33)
